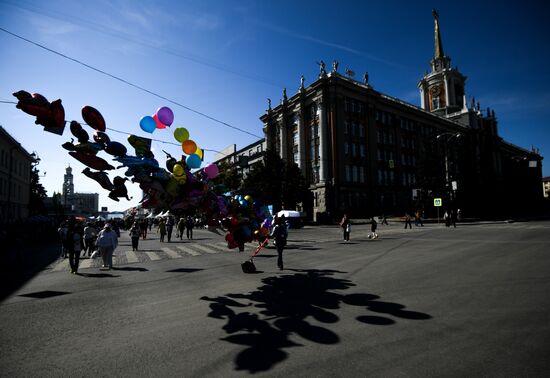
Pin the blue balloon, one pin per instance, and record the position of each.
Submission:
(148, 124)
(193, 161)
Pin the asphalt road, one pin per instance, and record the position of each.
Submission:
(431, 301)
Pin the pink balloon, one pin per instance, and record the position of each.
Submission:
(211, 171)
(160, 125)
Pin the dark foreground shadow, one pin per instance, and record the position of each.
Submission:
(19, 265)
(97, 275)
(131, 269)
(184, 270)
(277, 315)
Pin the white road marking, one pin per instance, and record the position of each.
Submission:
(188, 250)
(170, 252)
(153, 256)
(131, 257)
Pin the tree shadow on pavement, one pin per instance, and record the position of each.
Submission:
(277, 314)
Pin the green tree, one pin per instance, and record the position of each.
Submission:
(37, 193)
(276, 182)
(229, 178)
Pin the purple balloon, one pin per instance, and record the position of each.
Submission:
(165, 115)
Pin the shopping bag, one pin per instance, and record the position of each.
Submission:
(248, 266)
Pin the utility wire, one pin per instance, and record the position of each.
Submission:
(130, 83)
(127, 133)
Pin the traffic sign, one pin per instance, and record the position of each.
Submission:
(437, 202)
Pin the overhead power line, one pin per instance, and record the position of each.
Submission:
(130, 84)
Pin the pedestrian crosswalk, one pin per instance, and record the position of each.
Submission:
(122, 256)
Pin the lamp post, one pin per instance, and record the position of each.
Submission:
(447, 138)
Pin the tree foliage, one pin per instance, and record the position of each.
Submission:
(276, 182)
(37, 194)
(229, 178)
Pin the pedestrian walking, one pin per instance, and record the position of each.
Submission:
(189, 225)
(135, 233)
(453, 218)
(169, 228)
(90, 234)
(180, 226)
(62, 231)
(373, 225)
(447, 218)
(72, 246)
(107, 241)
(143, 228)
(345, 223)
(279, 234)
(161, 230)
(385, 220)
(418, 219)
(408, 221)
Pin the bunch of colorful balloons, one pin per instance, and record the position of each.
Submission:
(174, 188)
(162, 118)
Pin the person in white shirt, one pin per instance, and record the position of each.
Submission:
(107, 241)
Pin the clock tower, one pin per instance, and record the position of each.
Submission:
(442, 90)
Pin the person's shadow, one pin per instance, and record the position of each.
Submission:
(268, 320)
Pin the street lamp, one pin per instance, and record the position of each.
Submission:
(448, 137)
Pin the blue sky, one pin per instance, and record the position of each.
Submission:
(225, 58)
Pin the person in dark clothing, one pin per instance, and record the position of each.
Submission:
(169, 228)
(279, 234)
(373, 225)
(135, 233)
(189, 224)
(408, 221)
(72, 246)
(345, 223)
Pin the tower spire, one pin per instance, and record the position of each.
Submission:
(438, 45)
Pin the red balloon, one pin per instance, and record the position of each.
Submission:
(160, 125)
(93, 118)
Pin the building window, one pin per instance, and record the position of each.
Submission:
(354, 172)
(362, 149)
(361, 174)
(435, 103)
(346, 148)
(348, 174)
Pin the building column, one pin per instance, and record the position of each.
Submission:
(323, 145)
(302, 143)
(447, 94)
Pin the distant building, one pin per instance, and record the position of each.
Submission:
(15, 178)
(367, 153)
(244, 158)
(77, 203)
(546, 186)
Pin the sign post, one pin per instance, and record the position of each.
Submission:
(437, 204)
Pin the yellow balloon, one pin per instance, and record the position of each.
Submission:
(199, 152)
(178, 170)
(248, 198)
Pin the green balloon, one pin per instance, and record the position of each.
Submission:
(181, 134)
